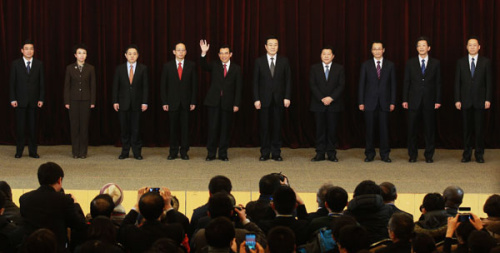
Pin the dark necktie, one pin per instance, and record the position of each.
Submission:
(80, 67)
(472, 68)
(179, 71)
(378, 69)
(327, 72)
(272, 67)
(28, 68)
(225, 70)
(423, 67)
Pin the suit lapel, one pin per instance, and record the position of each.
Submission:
(266, 63)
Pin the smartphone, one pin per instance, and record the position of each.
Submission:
(250, 241)
(464, 214)
(154, 189)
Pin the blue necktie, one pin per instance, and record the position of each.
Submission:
(472, 68)
(423, 67)
(327, 71)
(28, 67)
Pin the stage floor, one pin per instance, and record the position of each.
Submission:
(244, 169)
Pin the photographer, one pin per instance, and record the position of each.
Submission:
(462, 225)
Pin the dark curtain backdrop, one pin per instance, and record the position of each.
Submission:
(303, 27)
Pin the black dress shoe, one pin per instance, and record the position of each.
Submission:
(465, 160)
(480, 160)
(386, 159)
(75, 157)
(171, 157)
(122, 156)
(429, 160)
(318, 158)
(368, 159)
(36, 156)
(83, 156)
(264, 158)
(278, 158)
(210, 158)
(138, 157)
(333, 159)
(18, 155)
(412, 160)
(185, 157)
(223, 158)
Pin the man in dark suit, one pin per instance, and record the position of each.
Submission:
(422, 97)
(473, 94)
(130, 99)
(179, 85)
(27, 92)
(272, 88)
(48, 206)
(223, 98)
(327, 81)
(377, 97)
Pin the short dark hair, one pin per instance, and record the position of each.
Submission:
(321, 194)
(3, 199)
(377, 42)
(328, 47)
(284, 200)
(102, 228)
(5, 188)
(27, 42)
(220, 204)
(339, 223)
(102, 205)
(402, 225)
(367, 187)
(220, 183)
(219, 232)
(453, 196)
(423, 38)
(492, 206)
(269, 183)
(433, 201)
(473, 37)
(131, 46)
(354, 238)
(41, 241)
(281, 239)
(226, 46)
(164, 245)
(177, 43)
(336, 198)
(81, 46)
(480, 241)
(272, 37)
(151, 205)
(49, 173)
(423, 243)
(388, 191)
(463, 231)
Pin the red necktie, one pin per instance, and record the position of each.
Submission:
(225, 70)
(179, 70)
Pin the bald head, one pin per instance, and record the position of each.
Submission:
(453, 196)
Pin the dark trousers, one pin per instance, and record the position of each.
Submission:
(326, 132)
(473, 122)
(371, 118)
(219, 124)
(271, 143)
(79, 115)
(178, 118)
(429, 122)
(23, 116)
(130, 122)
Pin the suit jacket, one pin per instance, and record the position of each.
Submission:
(140, 238)
(224, 91)
(422, 89)
(321, 88)
(372, 91)
(299, 227)
(80, 86)
(46, 208)
(27, 89)
(473, 91)
(179, 93)
(266, 87)
(131, 96)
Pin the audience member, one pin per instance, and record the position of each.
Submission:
(165, 245)
(10, 234)
(423, 243)
(434, 218)
(48, 207)
(335, 202)
(400, 231)
(281, 240)
(453, 196)
(116, 193)
(320, 199)
(369, 209)
(462, 228)
(219, 234)
(41, 241)
(390, 194)
(352, 239)
(151, 205)
(96, 246)
(102, 205)
(261, 209)
(480, 242)
(492, 209)
(11, 209)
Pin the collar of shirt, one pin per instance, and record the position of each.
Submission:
(329, 66)
(426, 60)
(275, 57)
(26, 62)
(334, 214)
(227, 65)
(177, 63)
(381, 61)
(475, 59)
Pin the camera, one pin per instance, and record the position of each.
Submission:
(282, 177)
(154, 189)
(466, 216)
(250, 241)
